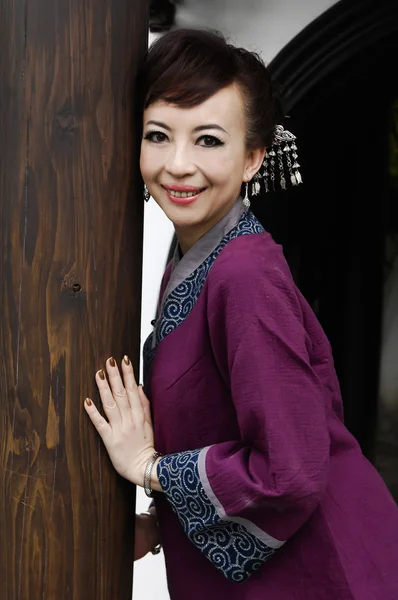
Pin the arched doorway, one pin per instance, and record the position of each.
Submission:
(340, 82)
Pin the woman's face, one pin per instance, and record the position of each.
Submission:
(193, 160)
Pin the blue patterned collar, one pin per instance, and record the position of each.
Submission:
(183, 292)
(183, 267)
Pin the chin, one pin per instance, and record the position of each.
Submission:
(185, 215)
(185, 220)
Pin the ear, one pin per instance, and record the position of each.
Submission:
(254, 160)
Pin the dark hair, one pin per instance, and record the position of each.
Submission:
(187, 66)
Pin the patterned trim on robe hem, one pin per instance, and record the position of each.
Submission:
(182, 299)
(267, 539)
(231, 548)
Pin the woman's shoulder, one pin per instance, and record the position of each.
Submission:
(252, 271)
(252, 258)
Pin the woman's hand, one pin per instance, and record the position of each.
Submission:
(128, 436)
(146, 535)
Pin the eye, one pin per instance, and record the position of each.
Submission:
(156, 137)
(209, 141)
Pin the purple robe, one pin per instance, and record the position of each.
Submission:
(266, 493)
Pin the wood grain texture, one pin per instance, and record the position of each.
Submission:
(70, 274)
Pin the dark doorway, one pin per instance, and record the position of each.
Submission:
(340, 76)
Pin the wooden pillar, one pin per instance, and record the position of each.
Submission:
(70, 276)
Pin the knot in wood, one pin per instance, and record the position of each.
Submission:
(66, 121)
(70, 286)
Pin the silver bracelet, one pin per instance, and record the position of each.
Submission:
(157, 548)
(147, 474)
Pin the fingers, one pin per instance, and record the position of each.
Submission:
(108, 400)
(101, 425)
(119, 396)
(117, 386)
(145, 405)
(131, 386)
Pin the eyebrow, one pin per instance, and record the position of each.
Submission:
(199, 128)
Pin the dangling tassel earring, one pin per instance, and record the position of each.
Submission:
(147, 195)
(246, 201)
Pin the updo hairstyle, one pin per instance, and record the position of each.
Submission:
(185, 67)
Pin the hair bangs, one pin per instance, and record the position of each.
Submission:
(184, 72)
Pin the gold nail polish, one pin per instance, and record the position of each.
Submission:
(101, 374)
(88, 402)
(112, 361)
(126, 359)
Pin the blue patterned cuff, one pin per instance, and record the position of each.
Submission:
(228, 545)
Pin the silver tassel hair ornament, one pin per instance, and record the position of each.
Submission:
(281, 168)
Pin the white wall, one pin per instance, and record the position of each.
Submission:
(266, 27)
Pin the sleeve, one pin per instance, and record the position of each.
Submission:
(241, 500)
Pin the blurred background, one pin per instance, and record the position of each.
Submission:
(337, 64)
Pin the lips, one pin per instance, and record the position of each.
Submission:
(182, 200)
(183, 188)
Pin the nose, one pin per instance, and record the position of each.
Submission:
(179, 162)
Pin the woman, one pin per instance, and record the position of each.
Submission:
(260, 491)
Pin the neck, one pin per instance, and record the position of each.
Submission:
(188, 236)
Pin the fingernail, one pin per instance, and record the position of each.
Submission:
(126, 359)
(88, 402)
(101, 374)
(112, 361)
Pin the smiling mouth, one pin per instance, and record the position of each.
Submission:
(177, 194)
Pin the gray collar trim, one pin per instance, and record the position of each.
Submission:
(195, 256)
